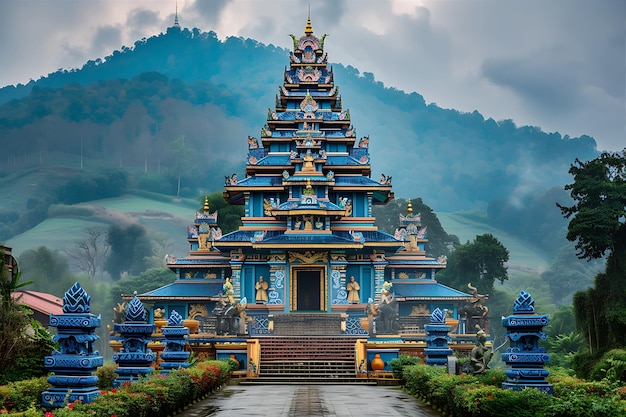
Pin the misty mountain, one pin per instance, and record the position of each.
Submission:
(128, 109)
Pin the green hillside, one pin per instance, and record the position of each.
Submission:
(165, 220)
(523, 257)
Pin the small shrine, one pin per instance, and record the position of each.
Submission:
(134, 360)
(174, 355)
(437, 339)
(524, 358)
(76, 361)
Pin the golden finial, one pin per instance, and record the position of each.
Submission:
(308, 31)
(409, 207)
(206, 204)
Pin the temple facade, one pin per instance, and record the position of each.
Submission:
(308, 242)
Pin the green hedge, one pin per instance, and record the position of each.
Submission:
(474, 396)
(153, 396)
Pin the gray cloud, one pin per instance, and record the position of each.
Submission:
(556, 64)
(208, 11)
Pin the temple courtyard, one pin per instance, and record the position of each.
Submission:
(308, 401)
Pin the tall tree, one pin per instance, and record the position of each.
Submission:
(13, 319)
(130, 250)
(89, 254)
(181, 159)
(480, 262)
(598, 226)
(47, 269)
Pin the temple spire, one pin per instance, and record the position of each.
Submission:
(176, 25)
(409, 207)
(206, 204)
(308, 31)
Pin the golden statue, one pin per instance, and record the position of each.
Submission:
(261, 290)
(353, 288)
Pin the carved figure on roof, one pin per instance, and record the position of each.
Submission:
(308, 104)
(295, 40)
(321, 40)
(385, 180)
(253, 142)
(216, 233)
(364, 142)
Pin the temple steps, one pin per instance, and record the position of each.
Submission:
(328, 360)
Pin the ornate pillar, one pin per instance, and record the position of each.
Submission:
(524, 358)
(339, 295)
(134, 358)
(278, 279)
(437, 339)
(379, 280)
(236, 281)
(75, 363)
(174, 355)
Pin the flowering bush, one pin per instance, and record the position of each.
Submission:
(153, 396)
(21, 395)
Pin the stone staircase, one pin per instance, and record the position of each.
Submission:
(307, 360)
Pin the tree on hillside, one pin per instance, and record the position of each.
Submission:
(480, 262)
(181, 160)
(598, 225)
(47, 269)
(13, 319)
(89, 254)
(130, 250)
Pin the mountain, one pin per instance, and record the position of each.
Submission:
(181, 105)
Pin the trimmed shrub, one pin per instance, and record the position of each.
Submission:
(106, 375)
(398, 364)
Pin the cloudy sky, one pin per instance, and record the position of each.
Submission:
(556, 64)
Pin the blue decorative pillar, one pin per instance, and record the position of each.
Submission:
(174, 355)
(134, 359)
(76, 361)
(437, 339)
(524, 358)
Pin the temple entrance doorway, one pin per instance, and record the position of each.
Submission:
(308, 289)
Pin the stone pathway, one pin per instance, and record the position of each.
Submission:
(309, 401)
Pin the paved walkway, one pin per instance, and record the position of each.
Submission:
(309, 401)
